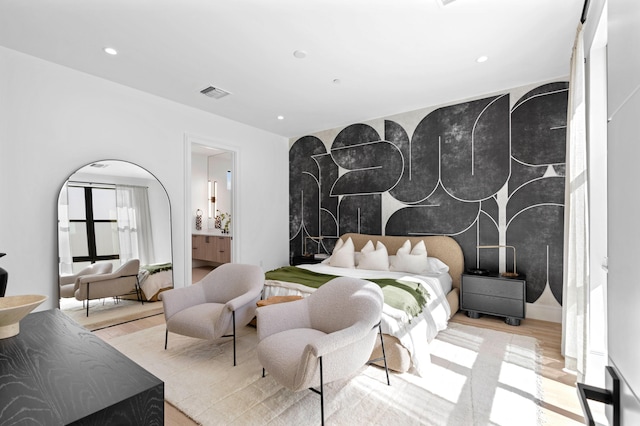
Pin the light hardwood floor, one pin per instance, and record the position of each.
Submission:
(559, 401)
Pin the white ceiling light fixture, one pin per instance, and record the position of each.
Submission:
(281, 117)
(482, 59)
(300, 54)
(214, 92)
(110, 51)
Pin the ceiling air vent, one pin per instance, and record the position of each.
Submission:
(214, 92)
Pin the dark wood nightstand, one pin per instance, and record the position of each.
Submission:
(494, 295)
(302, 260)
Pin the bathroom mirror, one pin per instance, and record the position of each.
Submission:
(109, 213)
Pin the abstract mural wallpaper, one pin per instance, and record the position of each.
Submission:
(488, 171)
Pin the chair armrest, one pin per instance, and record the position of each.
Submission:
(243, 299)
(97, 277)
(68, 279)
(339, 339)
(177, 299)
(272, 319)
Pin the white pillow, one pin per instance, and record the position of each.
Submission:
(415, 262)
(339, 244)
(375, 260)
(419, 248)
(343, 255)
(438, 266)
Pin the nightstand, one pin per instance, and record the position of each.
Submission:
(494, 295)
(302, 260)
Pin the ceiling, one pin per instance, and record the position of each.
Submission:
(364, 58)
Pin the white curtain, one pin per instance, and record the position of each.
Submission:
(64, 238)
(576, 236)
(134, 224)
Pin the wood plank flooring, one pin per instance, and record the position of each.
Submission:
(559, 401)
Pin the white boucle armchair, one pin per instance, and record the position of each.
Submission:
(69, 283)
(326, 336)
(214, 306)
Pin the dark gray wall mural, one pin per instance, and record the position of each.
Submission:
(481, 171)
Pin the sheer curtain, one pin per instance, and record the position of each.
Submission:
(64, 238)
(576, 234)
(134, 224)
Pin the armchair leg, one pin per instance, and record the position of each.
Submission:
(320, 392)
(88, 299)
(166, 338)
(233, 319)
(384, 355)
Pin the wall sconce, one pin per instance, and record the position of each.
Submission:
(211, 197)
(505, 274)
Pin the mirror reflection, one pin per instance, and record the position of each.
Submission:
(114, 238)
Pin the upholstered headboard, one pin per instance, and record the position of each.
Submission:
(444, 248)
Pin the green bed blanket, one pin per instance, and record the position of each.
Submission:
(156, 267)
(405, 295)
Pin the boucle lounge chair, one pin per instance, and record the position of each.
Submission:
(214, 306)
(324, 337)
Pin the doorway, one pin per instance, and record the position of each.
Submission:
(211, 205)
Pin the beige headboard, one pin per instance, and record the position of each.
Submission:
(444, 248)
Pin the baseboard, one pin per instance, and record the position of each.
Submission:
(544, 312)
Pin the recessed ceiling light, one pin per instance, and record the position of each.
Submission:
(336, 81)
(281, 117)
(482, 59)
(110, 51)
(300, 54)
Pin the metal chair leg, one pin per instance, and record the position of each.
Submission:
(233, 318)
(384, 355)
(166, 338)
(321, 394)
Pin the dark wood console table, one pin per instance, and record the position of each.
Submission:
(55, 372)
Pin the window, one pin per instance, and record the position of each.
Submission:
(93, 227)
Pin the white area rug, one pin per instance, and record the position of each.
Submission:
(106, 312)
(477, 377)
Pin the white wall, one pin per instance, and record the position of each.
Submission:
(218, 166)
(54, 120)
(198, 190)
(623, 289)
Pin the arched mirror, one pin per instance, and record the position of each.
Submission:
(114, 241)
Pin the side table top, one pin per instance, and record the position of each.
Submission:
(277, 299)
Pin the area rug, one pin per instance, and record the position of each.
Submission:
(477, 377)
(105, 313)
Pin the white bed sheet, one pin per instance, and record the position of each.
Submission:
(416, 333)
(152, 283)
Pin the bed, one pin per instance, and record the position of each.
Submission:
(406, 334)
(154, 279)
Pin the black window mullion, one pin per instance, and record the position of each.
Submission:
(91, 230)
